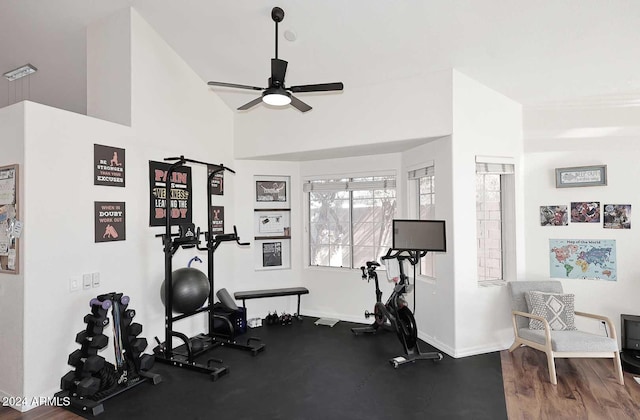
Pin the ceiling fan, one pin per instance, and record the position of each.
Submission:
(276, 93)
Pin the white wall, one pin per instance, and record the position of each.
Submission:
(109, 68)
(485, 123)
(587, 146)
(172, 113)
(412, 108)
(340, 292)
(245, 276)
(59, 243)
(12, 285)
(435, 300)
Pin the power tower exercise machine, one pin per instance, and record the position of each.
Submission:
(184, 356)
(412, 239)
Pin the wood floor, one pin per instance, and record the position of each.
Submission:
(587, 389)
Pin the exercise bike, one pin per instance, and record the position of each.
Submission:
(395, 315)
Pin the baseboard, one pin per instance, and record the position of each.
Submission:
(8, 401)
(443, 347)
(484, 349)
(24, 404)
(17, 403)
(460, 353)
(436, 343)
(341, 317)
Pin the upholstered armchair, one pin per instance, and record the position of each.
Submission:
(544, 321)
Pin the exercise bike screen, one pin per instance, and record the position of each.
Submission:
(423, 235)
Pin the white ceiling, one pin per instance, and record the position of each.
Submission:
(539, 53)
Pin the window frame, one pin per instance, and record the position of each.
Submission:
(507, 218)
(307, 213)
(413, 202)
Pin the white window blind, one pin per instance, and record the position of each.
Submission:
(494, 165)
(422, 172)
(310, 186)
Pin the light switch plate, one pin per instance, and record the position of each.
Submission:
(74, 284)
(87, 281)
(95, 277)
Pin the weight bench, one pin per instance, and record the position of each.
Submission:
(257, 294)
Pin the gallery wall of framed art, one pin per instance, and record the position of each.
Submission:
(272, 222)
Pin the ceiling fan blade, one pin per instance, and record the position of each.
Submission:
(250, 104)
(233, 85)
(321, 87)
(299, 105)
(278, 70)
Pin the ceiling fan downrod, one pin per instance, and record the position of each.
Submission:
(277, 14)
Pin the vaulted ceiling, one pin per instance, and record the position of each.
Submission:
(539, 53)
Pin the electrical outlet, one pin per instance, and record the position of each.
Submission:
(74, 284)
(95, 278)
(87, 281)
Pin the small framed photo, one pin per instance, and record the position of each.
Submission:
(272, 254)
(617, 216)
(553, 216)
(581, 176)
(271, 191)
(585, 212)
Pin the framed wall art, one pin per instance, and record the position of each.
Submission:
(581, 176)
(271, 191)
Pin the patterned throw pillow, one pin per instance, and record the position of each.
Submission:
(556, 308)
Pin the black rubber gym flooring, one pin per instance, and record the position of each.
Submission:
(318, 372)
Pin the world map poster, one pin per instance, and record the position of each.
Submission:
(583, 259)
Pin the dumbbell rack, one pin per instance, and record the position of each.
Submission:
(94, 380)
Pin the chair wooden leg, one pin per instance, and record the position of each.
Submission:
(552, 368)
(617, 365)
(514, 346)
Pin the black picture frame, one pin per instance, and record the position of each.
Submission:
(271, 191)
(109, 166)
(180, 191)
(272, 254)
(110, 221)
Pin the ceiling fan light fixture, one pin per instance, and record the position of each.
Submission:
(276, 99)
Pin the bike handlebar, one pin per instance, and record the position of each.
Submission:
(369, 271)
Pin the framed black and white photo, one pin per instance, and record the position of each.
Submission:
(272, 254)
(271, 191)
(581, 176)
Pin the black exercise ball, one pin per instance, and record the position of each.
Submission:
(190, 289)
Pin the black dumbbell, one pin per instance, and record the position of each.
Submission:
(138, 345)
(129, 314)
(68, 382)
(135, 329)
(91, 364)
(99, 341)
(146, 362)
(96, 328)
(88, 386)
(99, 308)
(75, 357)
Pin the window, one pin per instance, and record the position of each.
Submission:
(494, 220)
(350, 220)
(425, 185)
